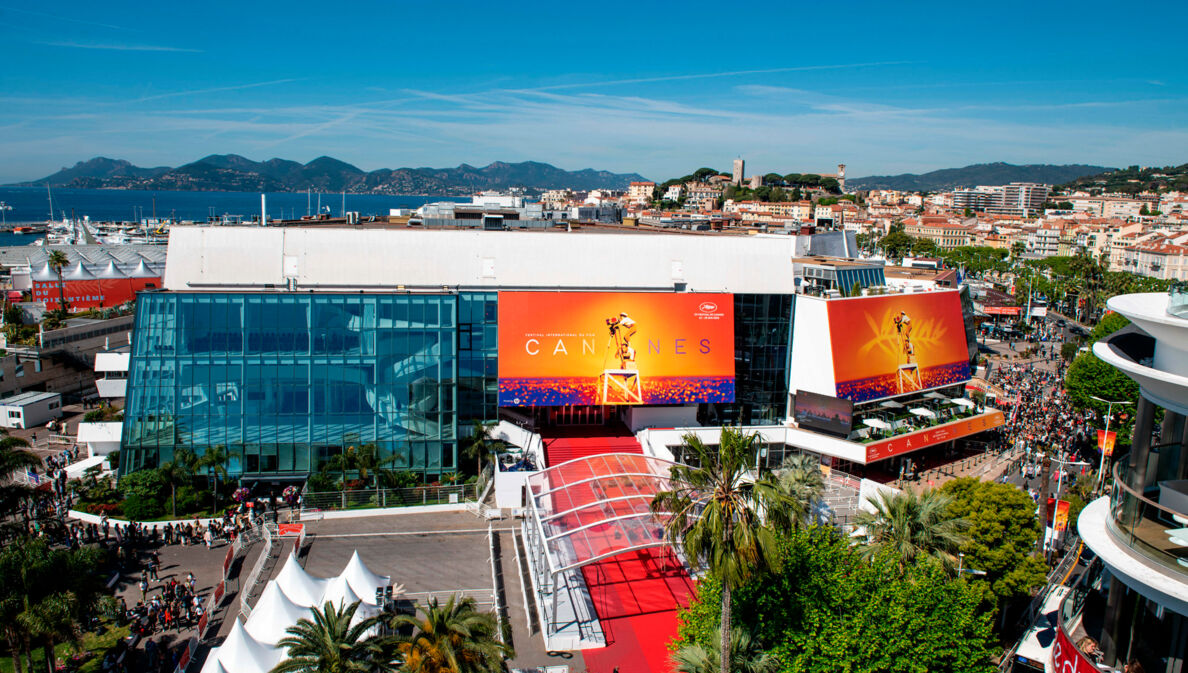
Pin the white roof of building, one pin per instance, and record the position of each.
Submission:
(342, 259)
(28, 398)
(100, 432)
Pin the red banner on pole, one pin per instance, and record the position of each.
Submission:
(1105, 441)
(1059, 517)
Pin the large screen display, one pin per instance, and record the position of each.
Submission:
(558, 348)
(822, 412)
(896, 344)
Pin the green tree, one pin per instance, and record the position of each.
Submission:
(453, 637)
(745, 656)
(57, 261)
(724, 521)
(924, 247)
(14, 459)
(53, 619)
(214, 460)
(1017, 249)
(1090, 377)
(913, 527)
(896, 244)
(801, 480)
(1003, 529)
(827, 608)
(478, 445)
(174, 473)
(328, 643)
(773, 179)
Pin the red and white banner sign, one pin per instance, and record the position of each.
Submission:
(290, 529)
(1002, 310)
(1067, 659)
(931, 436)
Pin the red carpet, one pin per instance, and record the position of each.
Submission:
(636, 594)
(565, 444)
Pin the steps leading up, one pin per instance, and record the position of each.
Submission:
(565, 444)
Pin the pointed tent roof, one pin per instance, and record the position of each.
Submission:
(78, 272)
(44, 273)
(273, 615)
(212, 665)
(142, 271)
(243, 654)
(363, 581)
(339, 592)
(110, 271)
(299, 586)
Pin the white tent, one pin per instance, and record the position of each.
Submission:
(273, 615)
(45, 274)
(363, 581)
(212, 665)
(299, 586)
(240, 653)
(78, 272)
(339, 592)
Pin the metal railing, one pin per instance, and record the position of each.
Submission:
(269, 535)
(1145, 526)
(390, 497)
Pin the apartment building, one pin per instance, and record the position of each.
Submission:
(947, 235)
(640, 192)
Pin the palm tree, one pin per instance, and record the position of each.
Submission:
(913, 528)
(176, 471)
(328, 643)
(724, 520)
(745, 656)
(12, 461)
(801, 479)
(57, 261)
(478, 445)
(214, 460)
(52, 619)
(450, 638)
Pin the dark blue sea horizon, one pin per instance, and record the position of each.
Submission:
(31, 204)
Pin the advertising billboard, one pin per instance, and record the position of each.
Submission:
(558, 348)
(891, 345)
(822, 412)
(939, 434)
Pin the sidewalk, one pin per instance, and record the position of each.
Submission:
(984, 467)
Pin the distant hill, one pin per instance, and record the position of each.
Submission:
(101, 168)
(231, 172)
(1133, 180)
(978, 174)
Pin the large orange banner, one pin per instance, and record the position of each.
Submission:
(933, 436)
(897, 344)
(558, 348)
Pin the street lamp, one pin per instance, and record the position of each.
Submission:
(1109, 416)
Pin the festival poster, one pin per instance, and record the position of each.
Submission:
(891, 345)
(1106, 441)
(559, 348)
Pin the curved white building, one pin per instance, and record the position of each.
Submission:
(1134, 599)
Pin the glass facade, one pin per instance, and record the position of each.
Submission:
(284, 381)
(762, 352)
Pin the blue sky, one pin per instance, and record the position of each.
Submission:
(660, 89)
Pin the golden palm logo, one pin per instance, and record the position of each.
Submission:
(886, 344)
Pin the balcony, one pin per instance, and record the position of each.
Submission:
(1156, 529)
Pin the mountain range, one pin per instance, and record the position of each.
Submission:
(233, 173)
(978, 174)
